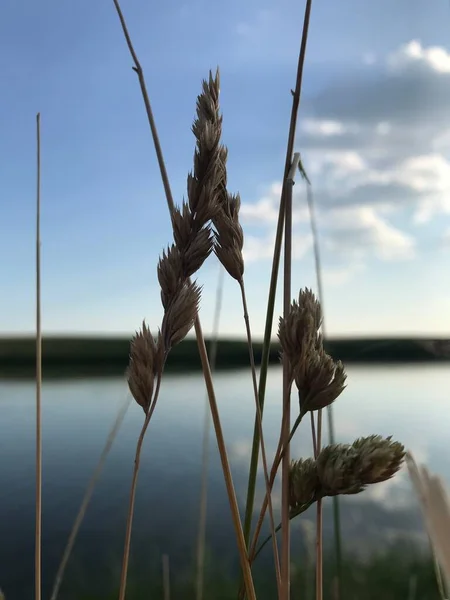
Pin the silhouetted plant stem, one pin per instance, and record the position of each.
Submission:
(243, 555)
(274, 277)
(261, 438)
(137, 460)
(38, 499)
(331, 436)
(205, 447)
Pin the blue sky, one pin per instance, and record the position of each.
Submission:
(374, 132)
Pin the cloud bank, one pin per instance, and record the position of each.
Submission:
(376, 149)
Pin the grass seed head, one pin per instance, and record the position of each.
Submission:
(142, 367)
(197, 252)
(180, 314)
(303, 482)
(170, 274)
(348, 469)
(319, 379)
(336, 468)
(379, 458)
(229, 238)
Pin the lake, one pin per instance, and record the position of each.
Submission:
(411, 403)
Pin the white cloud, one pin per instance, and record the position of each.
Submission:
(358, 231)
(261, 248)
(325, 128)
(265, 210)
(413, 53)
(377, 149)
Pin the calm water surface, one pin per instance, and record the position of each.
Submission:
(411, 403)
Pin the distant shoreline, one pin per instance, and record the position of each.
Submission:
(78, 356)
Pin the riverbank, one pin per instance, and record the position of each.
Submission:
(76, 355)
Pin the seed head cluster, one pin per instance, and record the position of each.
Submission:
(193, 243)
(319, 379)
(342, 469)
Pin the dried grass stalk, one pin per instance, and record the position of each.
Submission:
(38, 500)
(180, 297)
(228, 245)
(435, 505)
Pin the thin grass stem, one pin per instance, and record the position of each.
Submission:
(279, 527)
(285, 465)
(273, 473)
(319, 523)
(261, 437)
(38, 500)
(201, 539)
(331, 436)
(243, 556)
(274, 279)
(88, 495)
(137, 460)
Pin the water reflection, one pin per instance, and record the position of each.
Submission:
(409, 403)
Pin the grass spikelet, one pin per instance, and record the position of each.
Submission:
(229, 237)
(304, 482)
(141, 369)
(180, 314)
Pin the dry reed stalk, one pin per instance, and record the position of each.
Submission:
(229, 241)
(435, 505)
(331, 436)
(272, 289)
(38, 526)
(166, 576)
(201, 538)
(262, 443)
(198, 330)
(126, 552)
(319, 515)
(285, 428)
(87, 498)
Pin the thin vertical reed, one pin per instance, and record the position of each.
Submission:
(274, 277)
(38, 526)
(201, 539)
(137, 460)
(261, 438)
(286, 426)
(319, 523)
(331, 436)
(243, 556)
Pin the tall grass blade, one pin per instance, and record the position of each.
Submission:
(261, 438)
(286, 421)
(38, 526)
(435, 505)
(201, 538)
(331, 436)
(274, 279)
(243, 556)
